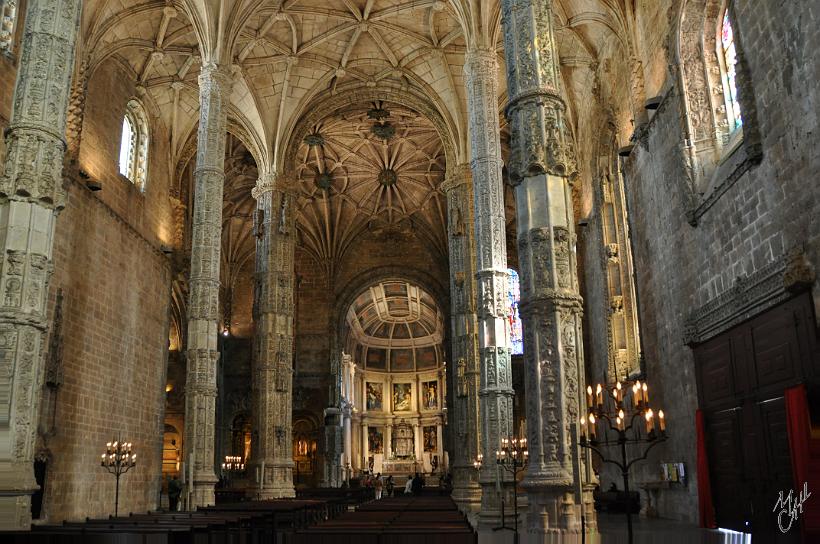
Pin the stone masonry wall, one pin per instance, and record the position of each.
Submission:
(115, 341)
(770, 208)
(116, 286)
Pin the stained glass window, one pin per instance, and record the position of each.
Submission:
(513, 299)
(727, 46)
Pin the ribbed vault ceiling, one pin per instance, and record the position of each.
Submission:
(374, 166)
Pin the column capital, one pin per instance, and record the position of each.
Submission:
(215, 78)
(481, 59)
(456, 177)
(271, 181)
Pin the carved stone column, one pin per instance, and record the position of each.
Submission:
(465, 424)
(496, 393)
(541, 167)
(203, 310)
(31, 196)
(273, 319)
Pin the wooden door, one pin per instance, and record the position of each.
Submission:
(742, 375)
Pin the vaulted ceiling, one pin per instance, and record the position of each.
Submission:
(289, 55)
(395, 325)
(371, 166)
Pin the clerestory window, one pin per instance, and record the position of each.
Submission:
(134, 145)
(728, 57)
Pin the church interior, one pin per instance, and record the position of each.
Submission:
(556, 256)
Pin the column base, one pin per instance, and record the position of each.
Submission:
(278, 482)
(202, 495)
(282, 492)
(15, 511)
(466, 490)
(496, 512)
(554, 512)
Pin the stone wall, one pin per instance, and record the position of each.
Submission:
(115, 337)
(769, 209)
(116, 284)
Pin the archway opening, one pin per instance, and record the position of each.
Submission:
(395, 380)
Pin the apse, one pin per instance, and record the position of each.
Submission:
(395, 377)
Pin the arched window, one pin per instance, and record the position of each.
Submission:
(8, 18)
(514, 299)
(728, 60)
(134, 144)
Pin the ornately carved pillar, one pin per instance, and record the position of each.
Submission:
(31, 196)
(273, 319)
(541, 167)
(465, 423)
(496, 393)
(203, 310)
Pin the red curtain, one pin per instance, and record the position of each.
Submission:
(707, 509)
(797, 421)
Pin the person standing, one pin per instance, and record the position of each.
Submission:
(418, 484)
(408, 487)
(389, 485)
(174, 491)
(378, 485)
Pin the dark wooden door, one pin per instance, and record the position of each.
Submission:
(742, 375)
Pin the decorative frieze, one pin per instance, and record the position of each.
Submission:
(750, 295)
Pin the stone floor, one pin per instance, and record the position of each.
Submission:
(613, 530)
(652, 530)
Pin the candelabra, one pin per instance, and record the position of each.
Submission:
(117, 460)
(607, 405)
(511, 457)
(233, 463)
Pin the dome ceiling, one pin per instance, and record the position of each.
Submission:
(376, 166)
(395, 325)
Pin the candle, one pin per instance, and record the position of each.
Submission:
(583, 427)
(591, 425)
(589, 396)
(650, 421)
(599, 396)
(620, 396)
(661, 420)
(645, 393)
(619, 423)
